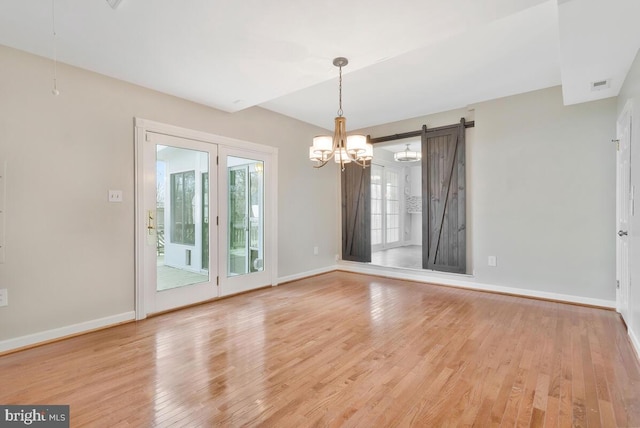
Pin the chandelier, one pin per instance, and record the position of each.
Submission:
(341, 147)
(407, 155)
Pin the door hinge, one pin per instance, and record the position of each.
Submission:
(217, 221)
(217, 160)
(217, 280)
(617, 283)
(617, 144)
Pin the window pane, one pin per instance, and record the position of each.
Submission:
(376, 221)
(376, 206)
(205, 220)
(385, 205)
(392, 221)
(376, 191)
(189, 201)
(182, 207)
(182, 239)
(245, 237)
(376, 237)
(392, 193)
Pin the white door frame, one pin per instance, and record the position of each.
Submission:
(142, 126)
(624, 206)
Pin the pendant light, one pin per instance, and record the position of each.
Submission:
(341, 147)
(407, 155)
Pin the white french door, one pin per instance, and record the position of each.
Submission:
(245, 215)
(205, 217)
(179, 205)
(386, 221)
(623, 210)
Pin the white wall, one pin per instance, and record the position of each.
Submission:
(540, 193)
(544, 194)
(631, 91)
(70, 253)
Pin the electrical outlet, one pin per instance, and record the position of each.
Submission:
(115, 195)
(315, 251)
(4, 297)
(493, 261)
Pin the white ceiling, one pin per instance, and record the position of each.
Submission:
(407, 58)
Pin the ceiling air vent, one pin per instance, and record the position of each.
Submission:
(114, 3)
(600, 85)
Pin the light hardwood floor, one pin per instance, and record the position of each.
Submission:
(343, 349)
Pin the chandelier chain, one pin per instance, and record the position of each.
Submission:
(340, 112)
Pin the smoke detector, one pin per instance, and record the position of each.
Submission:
(114, 3)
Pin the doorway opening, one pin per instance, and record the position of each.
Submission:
(414, 203)
(396, 206)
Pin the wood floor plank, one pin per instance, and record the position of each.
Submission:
(343, 350)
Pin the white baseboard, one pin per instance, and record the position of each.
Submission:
(467, 281)
(306, 274)
(61, 332)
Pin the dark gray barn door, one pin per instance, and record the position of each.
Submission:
(356, 213)
(443, 199)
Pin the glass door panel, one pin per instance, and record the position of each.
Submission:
(245, 228)
(179, 195)
(182, 217)
(392, 212)
(386, 219)
(205, 220)
(376, 206)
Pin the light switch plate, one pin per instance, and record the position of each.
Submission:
(4, 297)
(493, 261)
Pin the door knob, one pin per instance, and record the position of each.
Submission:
(622, 233)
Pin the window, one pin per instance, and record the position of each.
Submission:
(392, 212)
(385, 206)
(376, 204)
(246, 216)
(205, 220)
(183, 192)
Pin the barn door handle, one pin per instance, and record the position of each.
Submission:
(622, 233)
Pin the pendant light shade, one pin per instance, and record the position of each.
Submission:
(407, 155)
